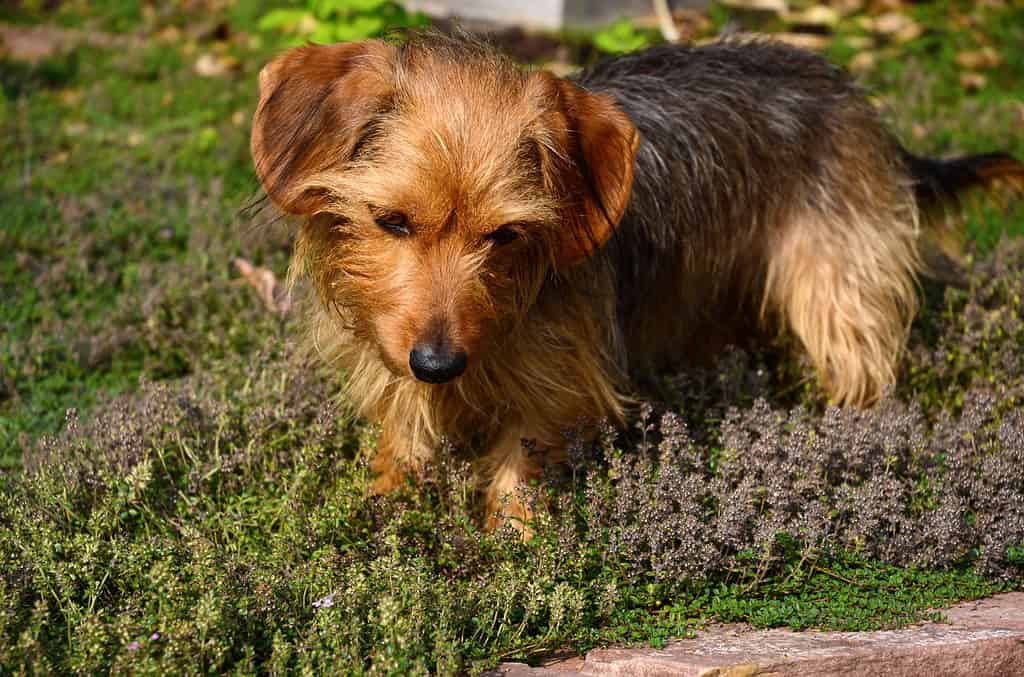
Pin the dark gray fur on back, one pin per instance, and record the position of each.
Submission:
(733, 136)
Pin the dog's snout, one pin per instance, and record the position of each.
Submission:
(436, 362)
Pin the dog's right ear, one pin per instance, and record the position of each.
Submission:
(315, 104)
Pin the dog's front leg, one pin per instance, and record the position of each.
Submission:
(401, 452)
(506, 471)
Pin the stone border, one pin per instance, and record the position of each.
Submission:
(984, 638)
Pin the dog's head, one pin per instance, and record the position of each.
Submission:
(441, 185)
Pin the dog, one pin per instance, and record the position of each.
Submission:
(498, 252)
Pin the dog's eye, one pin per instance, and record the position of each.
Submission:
(503, 235)
(393, 222)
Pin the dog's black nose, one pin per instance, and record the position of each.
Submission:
(436, 363)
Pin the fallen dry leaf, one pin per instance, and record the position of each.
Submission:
(846, 7)
(560, 68)
(816, 15)
(805, 40)
(911, 31)
(691, 23)
(891, 23)
(34, 43)
(170, 34)
(778, 6)
(896, 26)
(75, 128)
(963, 21)
(862, 62)
(213, 66)
(211, 30)
(860, 42)
(70, 97)
(274, 296)
(972, 82)
(30, 44)
(883, 6)
(979, 59)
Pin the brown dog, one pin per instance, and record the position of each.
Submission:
(497, 251)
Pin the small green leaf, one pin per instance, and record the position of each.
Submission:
(324, 34)
(283, 19)
(364, 5)
(619, 38)
(360, 27)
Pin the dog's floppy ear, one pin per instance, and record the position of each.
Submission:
(315, 103)
(587, 149)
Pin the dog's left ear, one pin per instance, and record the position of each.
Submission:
(587, 148)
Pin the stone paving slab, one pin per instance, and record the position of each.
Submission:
(984, 638)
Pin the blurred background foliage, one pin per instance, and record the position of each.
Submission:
(327, 21)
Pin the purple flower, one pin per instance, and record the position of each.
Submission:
(325, 602)
(155, 636)
(134, 646)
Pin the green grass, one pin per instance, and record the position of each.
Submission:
(123, 177)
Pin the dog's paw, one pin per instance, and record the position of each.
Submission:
(386, 482)
(512, 512)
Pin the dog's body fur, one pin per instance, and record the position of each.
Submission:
(663, 205)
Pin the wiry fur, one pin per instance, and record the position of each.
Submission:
(767, 196)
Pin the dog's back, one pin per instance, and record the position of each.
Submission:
(767, 195)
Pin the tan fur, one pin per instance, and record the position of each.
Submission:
(871, 299)
(842, 277)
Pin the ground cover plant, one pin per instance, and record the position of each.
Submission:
(182, 489)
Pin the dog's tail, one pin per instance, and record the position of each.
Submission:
(940, 186)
